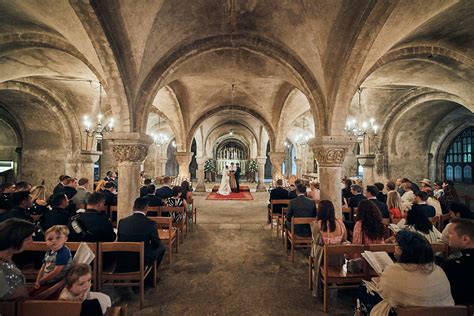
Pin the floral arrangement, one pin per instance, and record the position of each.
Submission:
(209, 166)
(252, 166)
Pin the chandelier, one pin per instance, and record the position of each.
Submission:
(361, 127)
(303, 139)
(99, 129)
(159, 139)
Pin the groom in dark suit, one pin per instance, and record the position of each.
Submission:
(237, 177)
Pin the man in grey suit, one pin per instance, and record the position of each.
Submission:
(82, 195)
(300, 206)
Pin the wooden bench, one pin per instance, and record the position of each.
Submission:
(167, 233)
(433, 311)
(295, 240)
(133, 278)
(49, 308)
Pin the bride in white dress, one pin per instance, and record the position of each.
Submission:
(224, 188)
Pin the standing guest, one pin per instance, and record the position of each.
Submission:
(301, 206)
(57, 259)
(371, 193)
(15, 234)
(78, 286)
(152, 199)
(139, 228)
(368, 228)
(70, 191)
(237, 177)
(91, 225)
(414, 280)
(165, 191)
(417, 221)
(80, 199)
(294, 193)
(59, 187)
(408, 196)
(394, 204)
(414, 186)
(100, 186)
(390, 186)
(450, 196)
(175, 201)
(398, 185)
(420, 203)
(356, 191)
(109, 193)
(187, 191)
(278, 193)
(58, 215)
(21, 202)
(332, 229)
(144, 188)
(314, 192)
(459, 271)
(38, 197)
(425, 184)
(346, 191)
(380, 196)
(109, 176)
(438, 190)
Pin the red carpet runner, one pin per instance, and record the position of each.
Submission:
(243, 195)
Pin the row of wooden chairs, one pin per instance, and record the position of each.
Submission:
(339, 277)
(104, 276)
(52, 308)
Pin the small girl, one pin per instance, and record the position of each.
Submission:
(78, 285)
(395, 204)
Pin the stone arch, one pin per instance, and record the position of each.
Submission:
(255, 44)
(220, 108)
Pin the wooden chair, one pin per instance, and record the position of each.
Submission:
(73, 246)
(167, 233)
(281, 223)
(338, 276)
(117, 311)
(276, 215)
(113, 214)
(49, 308)
(153, 211)
(134, 278)
(295, 240)
(181, 225)
(193, 216)
(432, 311)
(8, 308)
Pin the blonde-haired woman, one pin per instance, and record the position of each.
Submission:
(100, 185)
(395, 205)
(38, 194)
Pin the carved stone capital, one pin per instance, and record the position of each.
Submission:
(330, 151)
(366, 160)
(201, 160)
(129, 153)
(88, 156)
(261, 160)
(277, 157)
(184, 157)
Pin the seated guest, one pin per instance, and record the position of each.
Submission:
(314, 192)
(417, 221)
(432, 201)
(144, 188)
(371, 194)
(301, 206)
(92, 226)
(458, 210)
(390, 186)
(294, 192)
(460, 271)
(415, 280)
(62, 181)
(100, 186)
(368, 228)
(109, 193)
(380, 196)
(6, 191)
(176, 200)
(21, 202)
(38, 197)
(58, 215)
(14, 235)
(425, 185)
(187, 193)
(346, 191)
(438, 190)
(82, 194)
(153, 200)
(57, 259)
(414, 186)
(408, 196)
(23, 186)
(278, 193)
(420, 203)
(394, 204)
(165, 191)
(77, 288)
(137, 227)
(356, 191)
(332, 229)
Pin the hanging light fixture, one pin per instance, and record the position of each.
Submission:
(303, 139)
(99, 130)
(361, 127)
(161, 138)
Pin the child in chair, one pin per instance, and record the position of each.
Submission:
(78, 284)
(57, 259)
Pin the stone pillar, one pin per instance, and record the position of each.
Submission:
(367, 162)
(200, 187)
(88, 159)
(277, 159)
(261, 174)
(129, 150)
(330, 152)
(184, 159)
(299, 168)
(107, 161)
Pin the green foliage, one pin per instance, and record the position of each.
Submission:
(253, 166)
(209, 166)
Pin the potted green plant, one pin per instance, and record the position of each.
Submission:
(210, 170)
(252, 170)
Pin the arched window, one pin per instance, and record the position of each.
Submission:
(458, 158)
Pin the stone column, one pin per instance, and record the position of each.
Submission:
(261, 174)
(330, 152)
(88, 159)
(129, 150)
(277, 159)
(184, 159)
(299, 167)
(367, 162)
(200, 187)
(107, 161)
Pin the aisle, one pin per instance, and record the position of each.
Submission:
(222, 270)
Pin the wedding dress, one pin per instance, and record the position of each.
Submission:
(224, 188)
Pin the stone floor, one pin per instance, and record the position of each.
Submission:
(232, 264)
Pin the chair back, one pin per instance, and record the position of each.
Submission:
(8, 307)
(162, 222)
(49, 308)
(284, 202)
(432, 311)
(284, 211)
(389, 248)
(169, 209)
(137, 248)
(154, 209)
